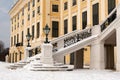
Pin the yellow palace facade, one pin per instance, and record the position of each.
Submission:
(62, 16)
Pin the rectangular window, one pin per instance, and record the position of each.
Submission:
(10, 57)
(18, 16)
(13, 58)
(65, 5)
(32, 32)
(17, 38)
(38, 29)
(95, 14)
(72, 58)
(33, 14)
(20, 57)
(111, 5)
(18, 24)
(12, 21)
(74, 2)
(22, 36)
(28, 30)
(11, 41)
(38, 9)
(28, 17)
(54, 8)
(14, 40)
(12, 28)
(15, 27)
(28, 6)
(22, 21)
(33, 3)
(66, 26)
(55, 27)
(22, 11)
(84, 20)
(15, 19)
(74, 23)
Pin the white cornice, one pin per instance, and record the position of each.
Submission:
(17, 7)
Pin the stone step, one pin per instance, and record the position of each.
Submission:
(25, 62)
(17, 65)
(36, 64)
(44, 67)
(20, 64)
(51, 69)
(14, 67)
(58, 64)
(37, 58)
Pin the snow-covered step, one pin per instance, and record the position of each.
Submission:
(17, 65)
(23, 63)
(51, 68)
(39, 66)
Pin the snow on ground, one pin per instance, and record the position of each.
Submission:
(82, 74)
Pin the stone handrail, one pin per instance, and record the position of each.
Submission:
(64, 36)
(70, 39)
(109, 29)
(111, 17)
(67, 35)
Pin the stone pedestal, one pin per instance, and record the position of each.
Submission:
(6, 58)
(59, 58)
(47, 54)
(96, 30)
(27, 52)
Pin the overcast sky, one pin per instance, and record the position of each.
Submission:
(5, 6)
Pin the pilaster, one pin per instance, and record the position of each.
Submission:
(89, 13)
(69, 16)
(102, 11)
(61, 18)
(42, 13)
(35, 24)
(79, 15)
(47, 10)
(97, 55)
(118, 49)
